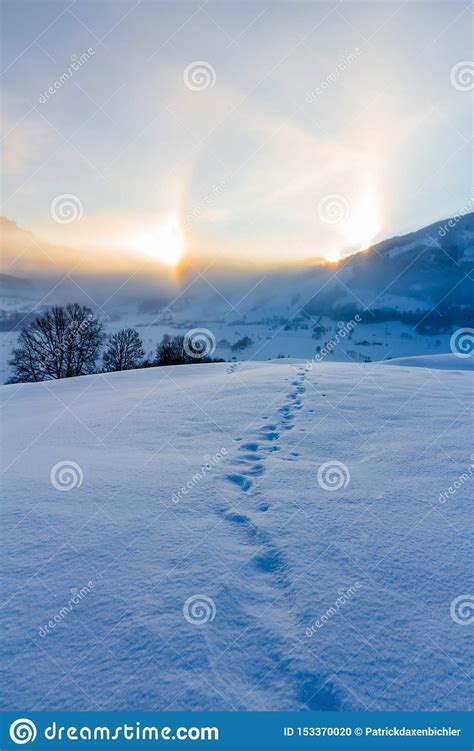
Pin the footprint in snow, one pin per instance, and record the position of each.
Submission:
(255, 471)
(241, 481)
(270, 561)
(249, 446)
(316, 693)
(271, 436)
(236, 517)
(269, 432)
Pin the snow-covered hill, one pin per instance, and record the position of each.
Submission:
(436, 362)
(260, 536)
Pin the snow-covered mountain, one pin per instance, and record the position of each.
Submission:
(255, 536)
(407, 294)
(428, 270)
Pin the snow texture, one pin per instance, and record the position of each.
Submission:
(173, 586)
(438, 362)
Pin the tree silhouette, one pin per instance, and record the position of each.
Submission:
(60, 343)
(125, 351)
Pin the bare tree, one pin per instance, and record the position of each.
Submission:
(60, 343)
(125, 351)
(170, 351)
(173, 351)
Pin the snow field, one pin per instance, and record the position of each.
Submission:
(234, 594)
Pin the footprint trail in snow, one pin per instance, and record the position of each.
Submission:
(264, 571)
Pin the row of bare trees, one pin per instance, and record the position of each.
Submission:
(69, 341)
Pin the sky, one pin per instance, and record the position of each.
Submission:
(248, 133)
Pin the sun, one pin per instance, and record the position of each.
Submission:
(363, 222)
(164, 243)
(333, 256)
